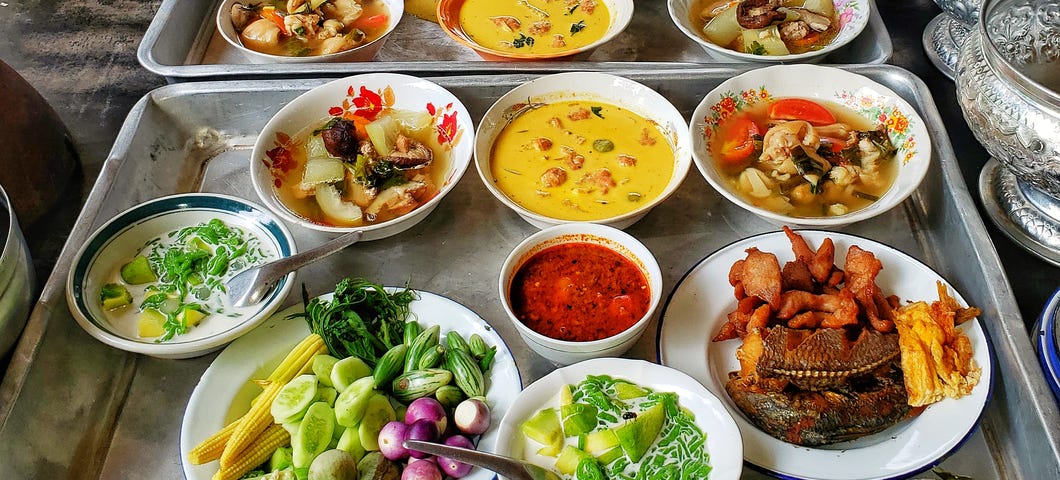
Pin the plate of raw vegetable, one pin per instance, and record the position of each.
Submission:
(338, 382)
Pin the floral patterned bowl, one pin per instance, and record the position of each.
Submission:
(365, 96)
(853, 17)
(876, 103)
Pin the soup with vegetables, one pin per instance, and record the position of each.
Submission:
(300, 28)
(348, 173)
(535, 26)
(766, 27)
(175, 283)
(804, 158)
(580, 160)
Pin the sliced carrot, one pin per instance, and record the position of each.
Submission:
(358, 123)
(806, 41)
(737, 137)
(269, 13)
(801, 109)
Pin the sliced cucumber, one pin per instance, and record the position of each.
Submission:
(322, 365)
(347, 371)
(294, 399)
(377, 413)
(350, 441)
(314, 434)
(327, 395)
(351, 404)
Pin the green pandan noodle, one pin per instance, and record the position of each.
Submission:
(677, 452)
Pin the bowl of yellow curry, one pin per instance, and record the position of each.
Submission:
(301, 31)
(533, 30)
(582, 147)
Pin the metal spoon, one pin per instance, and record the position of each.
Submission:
(251, 285)
(510, 468)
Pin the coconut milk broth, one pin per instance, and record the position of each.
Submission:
(223, 315)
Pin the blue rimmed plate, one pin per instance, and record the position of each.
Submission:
(698, 306)
(119, 240)
(1047, 343)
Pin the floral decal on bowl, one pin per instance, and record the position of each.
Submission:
(731, 103)
(845, 11)
(362, 106)
(883, 112)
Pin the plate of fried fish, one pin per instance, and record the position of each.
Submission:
(840, 358)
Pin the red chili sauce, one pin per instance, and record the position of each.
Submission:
(579, 292)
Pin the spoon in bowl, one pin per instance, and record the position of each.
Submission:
(510, 468)
(251, 285)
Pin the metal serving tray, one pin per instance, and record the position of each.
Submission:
(183, 44)
(72, 407)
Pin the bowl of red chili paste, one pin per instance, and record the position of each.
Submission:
(580, 290)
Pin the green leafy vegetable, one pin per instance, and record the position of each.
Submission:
(758, 49)
(596, 111)
(577, 27)
(362, 319)
(192, 268)
(522, 41)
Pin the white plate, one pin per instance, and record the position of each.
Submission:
(225, 389)
(723, 438)
(699, 305)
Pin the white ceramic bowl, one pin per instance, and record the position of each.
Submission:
(603, 87)
(361, 53)
(449, 18)
(877, 103)
(335, 98)
(723, 441)
(853, 17)
(567, 352)
(122, 237)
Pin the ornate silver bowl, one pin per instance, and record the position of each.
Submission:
(946, 33)
(1008, 86)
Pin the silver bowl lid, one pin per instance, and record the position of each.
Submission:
(1025, 35)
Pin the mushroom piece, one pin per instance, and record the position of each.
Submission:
(409, 153)
(340, 139)
(242, 15)
(815, 20)
(759, 13)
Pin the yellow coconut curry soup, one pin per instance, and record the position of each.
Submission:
(535, 26)
(581, 160)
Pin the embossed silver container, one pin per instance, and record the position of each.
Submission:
(945, 34)
(1008, 86)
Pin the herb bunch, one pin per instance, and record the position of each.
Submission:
(362, 319)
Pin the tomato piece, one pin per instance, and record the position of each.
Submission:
(801, 109)
(372, 22)
(737, 140)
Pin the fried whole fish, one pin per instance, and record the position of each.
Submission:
(811, 418)
(819, 387)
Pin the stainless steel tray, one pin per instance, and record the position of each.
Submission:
(182, 44)
(71, 407)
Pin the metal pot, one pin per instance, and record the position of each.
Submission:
(17, 282)
(1008, 86)
(945, 34)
